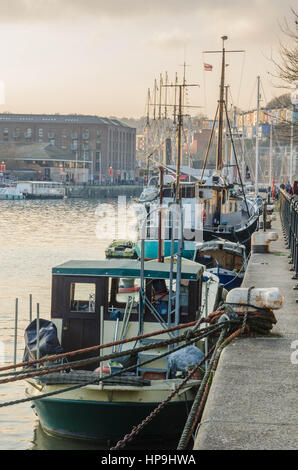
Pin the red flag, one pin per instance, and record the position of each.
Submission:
(208, 67)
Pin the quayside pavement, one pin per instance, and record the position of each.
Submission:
(253, 400)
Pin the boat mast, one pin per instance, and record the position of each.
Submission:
(243, 147)
(180, 124)
(257, 139)
(174, 121)
(232, 156)
(226, 129)
(154, 104)
(221, 103)
(148, 132)
(219, 158)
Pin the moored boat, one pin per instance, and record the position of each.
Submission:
(225, 259)
(10, 193)
(215, 209)
(89, 309)
(41, 189)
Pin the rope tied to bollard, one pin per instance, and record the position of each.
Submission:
(259, 321)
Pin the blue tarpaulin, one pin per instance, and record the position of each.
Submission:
(48, 340)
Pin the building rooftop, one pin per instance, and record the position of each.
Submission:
(60, 119)
(127, 268)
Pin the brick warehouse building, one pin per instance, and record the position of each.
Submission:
(59, 147)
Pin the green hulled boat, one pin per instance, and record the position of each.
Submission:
(89, 308)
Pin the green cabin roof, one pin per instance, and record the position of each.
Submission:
(127, 268)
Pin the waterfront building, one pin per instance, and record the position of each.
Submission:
(68, 147)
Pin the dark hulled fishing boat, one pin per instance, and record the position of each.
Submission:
(214, 208)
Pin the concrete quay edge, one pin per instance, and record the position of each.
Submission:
(253, 400)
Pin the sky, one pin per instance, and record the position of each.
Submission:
(101, 56)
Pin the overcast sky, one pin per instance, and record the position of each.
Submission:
(101, 56)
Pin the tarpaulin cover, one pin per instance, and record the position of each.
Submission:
(181, 360)
(48, 340)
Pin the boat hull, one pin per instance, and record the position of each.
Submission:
(242, 236)
(151, 249)
(110, 412)
(102, 421)
(230, 280)
(43, 196)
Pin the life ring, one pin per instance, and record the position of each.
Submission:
(128, 289)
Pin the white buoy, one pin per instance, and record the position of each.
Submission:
(260, 241)
(267, 297)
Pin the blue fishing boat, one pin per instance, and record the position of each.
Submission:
(225, 259)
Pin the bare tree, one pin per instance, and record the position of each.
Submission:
(287, 65)
(282, 101)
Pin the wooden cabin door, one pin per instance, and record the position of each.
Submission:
(81, 317)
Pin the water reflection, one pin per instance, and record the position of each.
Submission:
(34, 237)
(44, 441)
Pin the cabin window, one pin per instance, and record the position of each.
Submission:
(167, 192)
(128, 287)
(82, 297)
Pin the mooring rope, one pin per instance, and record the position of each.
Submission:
(137, 429)
(98, 347)
(101, 379)
(50, 369)
(260, 321)
(190, 420)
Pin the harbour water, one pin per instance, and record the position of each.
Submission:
(34, 237)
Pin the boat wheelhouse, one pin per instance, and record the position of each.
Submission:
(237, 218)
